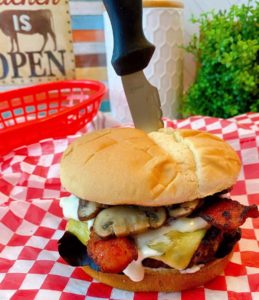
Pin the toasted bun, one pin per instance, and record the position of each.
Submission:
(129, 166)
(162, 280)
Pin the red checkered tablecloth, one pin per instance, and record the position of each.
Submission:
(31, 222)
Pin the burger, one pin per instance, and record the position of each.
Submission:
(150, 211)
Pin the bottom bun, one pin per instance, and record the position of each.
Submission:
(162, 280)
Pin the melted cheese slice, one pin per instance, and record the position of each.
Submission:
(179, 250)
(174, 244)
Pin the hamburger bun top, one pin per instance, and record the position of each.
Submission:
(128, 166)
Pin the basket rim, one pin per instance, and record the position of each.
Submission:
(102, 87)
(98, 86)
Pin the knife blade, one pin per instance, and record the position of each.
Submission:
(132, 52)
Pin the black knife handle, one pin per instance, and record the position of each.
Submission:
(132, 51)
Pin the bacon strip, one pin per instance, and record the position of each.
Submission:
(227, 214)
(208, 247)
(215, 244)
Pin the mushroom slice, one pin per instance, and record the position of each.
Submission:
(87, 210)
(184, 209)
(120, 221)
(156, 215)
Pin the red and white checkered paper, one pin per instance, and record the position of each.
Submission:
(31, 222)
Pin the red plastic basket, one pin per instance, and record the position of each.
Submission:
(41, 111)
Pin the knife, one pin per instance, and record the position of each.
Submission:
(131, 54)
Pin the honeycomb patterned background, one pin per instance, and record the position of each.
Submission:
(164, 28)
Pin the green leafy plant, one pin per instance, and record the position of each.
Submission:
(227, 55)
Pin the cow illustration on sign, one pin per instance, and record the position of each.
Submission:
(27, 22)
